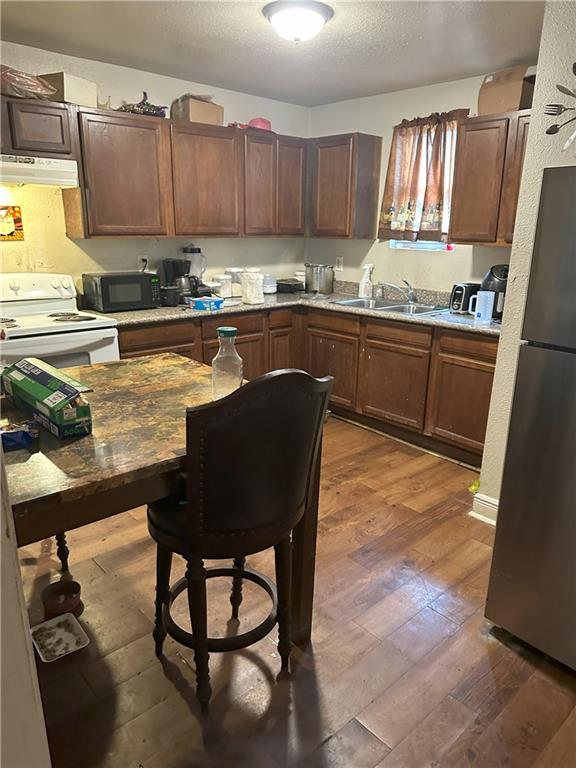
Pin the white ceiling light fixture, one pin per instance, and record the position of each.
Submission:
(297, 21)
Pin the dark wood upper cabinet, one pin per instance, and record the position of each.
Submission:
(487, 171)
(290, 185)
(515, 150)
(345, 173)
(39, 128)
(460, 388)
(274, 184)
(260, 183)
(478, 172)
(128, 187)
(394, 373)
(207, 168)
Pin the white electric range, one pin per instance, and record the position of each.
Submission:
(39, 317)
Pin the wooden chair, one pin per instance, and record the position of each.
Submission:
(249, 463)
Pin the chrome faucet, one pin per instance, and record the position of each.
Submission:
(408, 292)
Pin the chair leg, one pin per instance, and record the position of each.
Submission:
(236, 596)
(163, 567)
(196, 578)
(62, 550)
(283, 560)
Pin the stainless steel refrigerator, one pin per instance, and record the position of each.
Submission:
(532, 590)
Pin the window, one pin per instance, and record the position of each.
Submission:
(418, 190)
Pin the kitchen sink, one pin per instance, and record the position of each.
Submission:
(416, 309)
(391, 306)
(365, 303)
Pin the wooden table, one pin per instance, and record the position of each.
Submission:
(133, 457)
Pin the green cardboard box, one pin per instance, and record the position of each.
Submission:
(55, 399)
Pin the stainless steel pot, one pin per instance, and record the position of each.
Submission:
(319, 278)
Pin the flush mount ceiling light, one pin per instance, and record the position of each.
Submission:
(297, 21)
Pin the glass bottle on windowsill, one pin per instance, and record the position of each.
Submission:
(227, 365)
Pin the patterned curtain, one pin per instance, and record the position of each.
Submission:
(416, 203)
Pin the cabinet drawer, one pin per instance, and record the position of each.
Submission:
(280, 318)
(467, 345)
(246, 323)
(404, 333)
(158, 336)
(333, 321)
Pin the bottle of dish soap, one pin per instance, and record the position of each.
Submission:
(365, 287)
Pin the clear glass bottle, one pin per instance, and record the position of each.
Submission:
(227, 365)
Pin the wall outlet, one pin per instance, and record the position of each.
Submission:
(339, 265)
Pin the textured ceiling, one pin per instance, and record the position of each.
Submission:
(367, 48)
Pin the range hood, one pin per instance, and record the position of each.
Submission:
(16, 169)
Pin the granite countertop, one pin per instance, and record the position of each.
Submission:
(441, 319)
(138, 431)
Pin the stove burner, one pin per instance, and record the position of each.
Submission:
(70, 318)
(64, 314)
(8, 323)
(6, 320)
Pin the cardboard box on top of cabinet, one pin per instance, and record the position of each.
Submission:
(72, 89)
(197, 109)
(507, 90)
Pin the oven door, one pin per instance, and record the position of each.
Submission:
(122, 293)
(63, 350)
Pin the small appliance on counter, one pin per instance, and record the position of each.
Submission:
(186, 273)
(121, 291)
(319, 279)
(289, 285)
(461, 295)
(496, 280)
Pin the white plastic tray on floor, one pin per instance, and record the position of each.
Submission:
(58, 637)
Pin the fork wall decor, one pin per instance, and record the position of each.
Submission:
(559, 109)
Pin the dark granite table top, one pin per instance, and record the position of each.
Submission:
(138, 408)
(443, 319)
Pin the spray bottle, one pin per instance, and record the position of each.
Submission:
(365, 287)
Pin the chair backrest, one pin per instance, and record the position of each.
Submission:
(250, 458)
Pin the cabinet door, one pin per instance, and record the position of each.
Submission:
(252, 350)
(206, 164)
(183, 338)
(332, 193)
(259, 184)
(460, 389)
(127, 174)
(40, 128)
(334, 354)
(515, 150)
(290, 185)
(394, 380)
(478, 173)
(281, 352)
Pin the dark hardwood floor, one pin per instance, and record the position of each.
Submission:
(404, 671)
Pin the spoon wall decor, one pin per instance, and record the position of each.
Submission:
(558, 109)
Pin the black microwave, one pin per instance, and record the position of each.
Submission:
(121, 291)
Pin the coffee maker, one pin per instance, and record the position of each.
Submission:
(179, 272)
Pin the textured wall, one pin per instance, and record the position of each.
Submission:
(557, 52)
(378, 115)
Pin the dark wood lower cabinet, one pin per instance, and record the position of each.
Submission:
(460, 389)
(394, 373)
(335, 354)
(155, 338)
(428, 385)
(281, 345)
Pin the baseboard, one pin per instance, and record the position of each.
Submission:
(485, 508)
